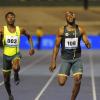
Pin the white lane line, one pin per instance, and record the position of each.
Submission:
(47, 84)
(27, 67)
(1, 83)
(92, 76)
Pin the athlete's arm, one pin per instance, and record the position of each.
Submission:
(1, 36)
(84, 37)
(56, 50)
(1, 32)
(26, 33)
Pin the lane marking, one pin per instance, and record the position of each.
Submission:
(92, 76)
(27, 67)
(47, 84)
(1, 83)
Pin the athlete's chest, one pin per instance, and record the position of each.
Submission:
(71, 34)
(11, 30)
(11, 38)
(71, 39)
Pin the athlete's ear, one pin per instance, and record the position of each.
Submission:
(74, 16)
(65, 13)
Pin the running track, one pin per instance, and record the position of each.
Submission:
(37, 83)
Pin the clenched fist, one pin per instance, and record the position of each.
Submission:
(52, 66)
(31, 52)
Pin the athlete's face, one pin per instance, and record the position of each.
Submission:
(70, 17)
(10, 19)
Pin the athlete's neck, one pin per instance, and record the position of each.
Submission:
(11, 26)
(71, 25)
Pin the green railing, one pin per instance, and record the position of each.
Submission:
(47, 2)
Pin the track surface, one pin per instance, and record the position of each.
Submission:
(34, 75)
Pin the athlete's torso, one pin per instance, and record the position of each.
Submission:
(70, 44)
(11, 41)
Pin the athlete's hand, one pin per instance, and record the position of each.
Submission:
(52, 66)
(31, 52)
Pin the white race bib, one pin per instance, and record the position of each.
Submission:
(71, 43)
(12, 40)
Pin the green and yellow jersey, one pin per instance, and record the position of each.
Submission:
(11, 41)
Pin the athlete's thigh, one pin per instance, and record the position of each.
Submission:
(7, 66)
(16, 63)
(77, 67)
(77, 78)
(16, 59)
(65, 68)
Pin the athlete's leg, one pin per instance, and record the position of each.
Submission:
(62, 79)
(16, 64)
(16, 68)
(6, 75)
(77, 69)
(76, 87)
(64, 72)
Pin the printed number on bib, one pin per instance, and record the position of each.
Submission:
(71, 43)
(12, 40)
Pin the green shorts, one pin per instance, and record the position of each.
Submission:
(7, 61)
(74, 66)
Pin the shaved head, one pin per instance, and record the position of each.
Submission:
(70, 17)
(68, 13)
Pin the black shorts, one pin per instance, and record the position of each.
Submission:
(7, 61)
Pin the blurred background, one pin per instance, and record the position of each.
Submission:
(43, 18)
(49, 15)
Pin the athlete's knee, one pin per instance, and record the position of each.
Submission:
(16, 67)
(77, 78)
(16, 62)
(6, 80)
(62, 80)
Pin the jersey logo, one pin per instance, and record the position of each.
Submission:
(66, 34)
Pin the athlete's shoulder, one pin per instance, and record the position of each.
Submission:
(61, 30)
(22, 29)
(81, 29)
(1, 29)
(18, 27)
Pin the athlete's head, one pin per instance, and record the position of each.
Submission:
(70, 17)
(10, 18)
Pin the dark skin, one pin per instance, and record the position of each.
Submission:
(71, 26)
(10, 20)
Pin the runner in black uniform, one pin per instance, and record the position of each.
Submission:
(69, 36)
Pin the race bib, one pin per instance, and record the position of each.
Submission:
(12, 40)
(71, 43)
